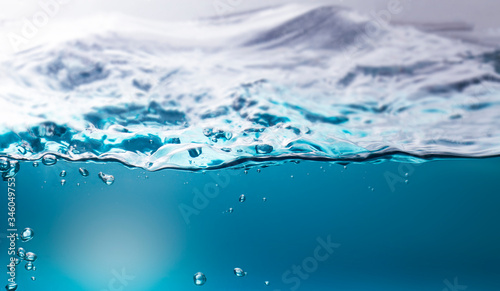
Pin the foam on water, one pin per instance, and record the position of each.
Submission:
(278, 83)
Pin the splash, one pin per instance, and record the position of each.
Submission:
(290, 82)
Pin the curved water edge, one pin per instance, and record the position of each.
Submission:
(283, 83)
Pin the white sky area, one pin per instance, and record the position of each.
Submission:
(483, 15)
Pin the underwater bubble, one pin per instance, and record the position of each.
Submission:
(35, 164)
(406, 181)
(17, 261)
(84, 172)
(29, 266)
(34, 268)
(33, 278)
(21, 253)
(63, 182)
(11, 287)
(266, 283)
(63, 173)
(230, 210)
(239, 272)
(4, 164)
(246, 172)
(27, 234)
(49, 160)
(30, 257)
(242, 198)
(263, 148)
(258, 170)
(406, 174)
(264, 199)
(12, 170)
(108, 179)
(199, 279)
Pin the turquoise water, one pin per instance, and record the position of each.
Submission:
(296, 147)
(157, 229)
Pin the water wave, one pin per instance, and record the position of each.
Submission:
(285, 82)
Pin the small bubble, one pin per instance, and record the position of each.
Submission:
(266, 283)
(242, 198)
(263, 148)
(4, 164)
(246, 172)
(35, 164)
(29, 266)
(49, 160)
(30, 257)
(33, 278)
(291, 176)
(63, 173)
(345, 167)
(264, 199)
(11, 287)
(63, 182)
(21, 253)
(230, 210)
(406, 174)
(199, 279)
(12, 170)
(17, 261)
(239, 272)
(78, 184)
(258, 170)
(406, 181)
(84, 172)
(27, 234)
(107, 179)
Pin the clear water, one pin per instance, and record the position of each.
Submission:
(286, 148)
(160, 228)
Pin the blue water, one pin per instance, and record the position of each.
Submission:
(367, 153)
(386, 234)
